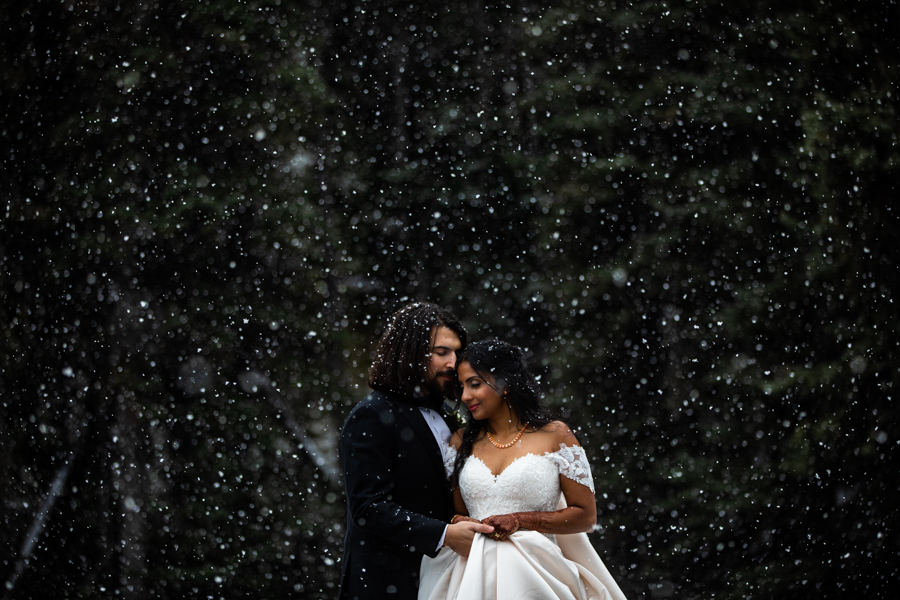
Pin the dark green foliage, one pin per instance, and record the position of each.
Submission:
(684, 210)
(149, 190)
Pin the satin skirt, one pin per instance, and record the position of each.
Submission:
(528, 565)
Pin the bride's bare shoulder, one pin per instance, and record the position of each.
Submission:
(559, 433)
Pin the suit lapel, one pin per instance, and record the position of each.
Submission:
(415, 418)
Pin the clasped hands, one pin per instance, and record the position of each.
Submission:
(505, 525)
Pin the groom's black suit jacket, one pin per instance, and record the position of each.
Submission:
(398, 498)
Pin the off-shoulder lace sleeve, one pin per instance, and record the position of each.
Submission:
(449, 459)
(573, 463)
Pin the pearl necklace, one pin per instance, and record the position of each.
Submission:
(516, 439)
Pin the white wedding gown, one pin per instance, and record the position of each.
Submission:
(529, 565)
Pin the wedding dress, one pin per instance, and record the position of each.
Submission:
(529, 565)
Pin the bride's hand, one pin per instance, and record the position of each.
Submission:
(460, 518)
(504, 526)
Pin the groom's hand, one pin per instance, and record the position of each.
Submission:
(460, 535)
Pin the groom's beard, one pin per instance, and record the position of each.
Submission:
(438, 388)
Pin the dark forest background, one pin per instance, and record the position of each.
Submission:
(684, 210)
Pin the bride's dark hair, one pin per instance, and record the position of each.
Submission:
(505, 364)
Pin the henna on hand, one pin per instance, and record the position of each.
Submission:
(460, 518)
(504, 526)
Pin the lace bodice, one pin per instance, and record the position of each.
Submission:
(529, 483)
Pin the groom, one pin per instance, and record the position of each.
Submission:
(398, 496)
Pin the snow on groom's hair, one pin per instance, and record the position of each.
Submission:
(401, 355)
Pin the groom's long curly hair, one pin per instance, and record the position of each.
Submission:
(401, 356)
(504, 365)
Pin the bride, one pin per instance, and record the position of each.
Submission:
(515, 468)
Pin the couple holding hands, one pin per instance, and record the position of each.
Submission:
(494, 510)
